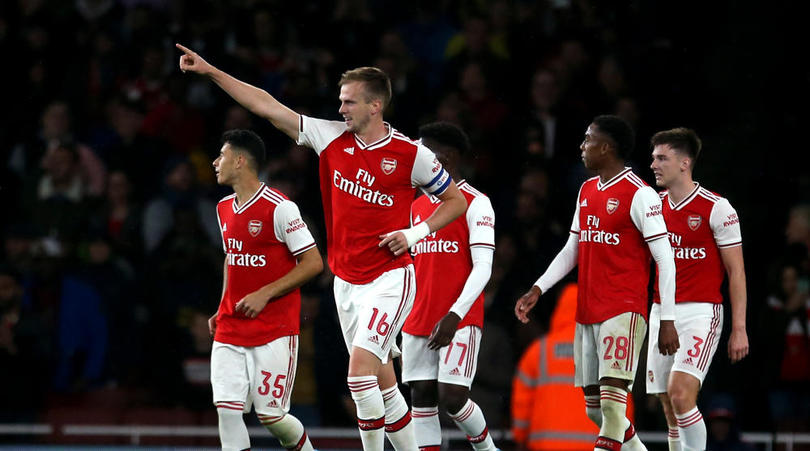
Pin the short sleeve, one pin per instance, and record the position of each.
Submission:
(646, 214)
(318, 133)
(291, 229)
(428, 174)
(725, 225)
(481, 223)
(221, 231)
(575, 222)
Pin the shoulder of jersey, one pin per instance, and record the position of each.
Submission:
(709, 195)
(470, 191)
(399, 137)
(635, 180)
(228, 198)
(273, 195)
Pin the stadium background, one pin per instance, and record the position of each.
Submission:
(115, 274)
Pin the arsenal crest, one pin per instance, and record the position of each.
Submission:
(693, 221)
(388, 165)
(651, 376)
(612, 205)
(254, 227)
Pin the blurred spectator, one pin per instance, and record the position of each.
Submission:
(797, 234)
(122, 145)
(120, 217)
(24, 353)
(27, 157)
(113, 279)
(785, 331)
(179, 202)
(723, 428)
(59, 204)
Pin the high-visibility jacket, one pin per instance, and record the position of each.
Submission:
(548, 412)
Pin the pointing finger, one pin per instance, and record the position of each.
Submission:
(184, 49)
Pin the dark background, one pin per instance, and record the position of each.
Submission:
(109, 269)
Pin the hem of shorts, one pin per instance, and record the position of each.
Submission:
(397, 264)
(689, 373)
(230, 340)
(373, 351)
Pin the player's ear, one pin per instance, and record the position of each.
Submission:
(376, 105)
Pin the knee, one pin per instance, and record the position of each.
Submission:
(271, 421)
(424, 394)
(682, 401)
(453, 400)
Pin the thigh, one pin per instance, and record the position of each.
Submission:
(458, 361)
(699, 332)
(658, 365)
(418, 362)
(619, 342)
(346, 310)
(229, 374)
(381, 309)
(586, 362)
(273, 375)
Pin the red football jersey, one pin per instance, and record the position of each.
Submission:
(699, 226)
(261, 239)
(367, 190)
(614, 222)
(443, 262)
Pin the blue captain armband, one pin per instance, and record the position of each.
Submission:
(439, 184)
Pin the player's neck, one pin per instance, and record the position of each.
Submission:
(610, 170)
(375, 131)
(681, 188)
(245, 189)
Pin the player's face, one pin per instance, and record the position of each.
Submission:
(667, 165)
(355, 106)
(225, 164)
(446, 155)
(592, 147)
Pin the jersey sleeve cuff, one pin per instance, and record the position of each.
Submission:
(657, 236)
(728, 245)
(303, 249)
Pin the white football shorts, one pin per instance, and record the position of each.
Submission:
(261, 376)
(608, 349)
(371, 315)
(699, 325)
(454, 364)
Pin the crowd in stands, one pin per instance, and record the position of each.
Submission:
(111, 254)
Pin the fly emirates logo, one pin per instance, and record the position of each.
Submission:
(593, 235)
(360, 187)
(431, 245)
(685, 253)
(235, 257)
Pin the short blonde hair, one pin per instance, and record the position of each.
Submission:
(377, 82)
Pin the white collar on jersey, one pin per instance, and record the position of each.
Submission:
(685, 200)
(377, 143)
(237, 209)
(603, 186)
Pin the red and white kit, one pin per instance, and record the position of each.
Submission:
(367, 189)
(699, 226)
(253, 359)
(444, 269)
(614, 221)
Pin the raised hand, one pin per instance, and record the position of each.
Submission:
(191, 61)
